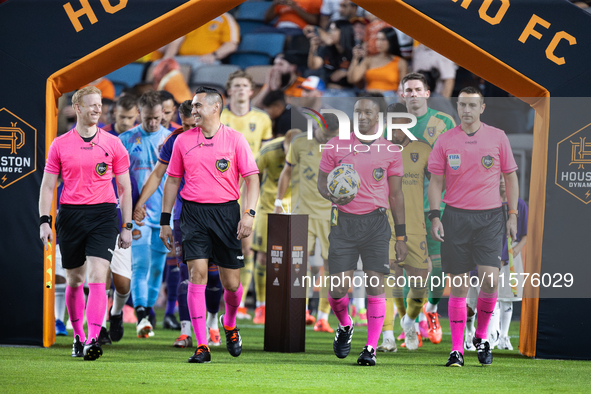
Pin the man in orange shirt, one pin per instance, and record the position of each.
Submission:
(294, 15)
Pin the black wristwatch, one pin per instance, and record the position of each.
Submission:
(251, 212)
(127, 226)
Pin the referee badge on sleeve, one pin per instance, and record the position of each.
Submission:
(222, 165)
(101, 168)
(454, 160)
(378, 174)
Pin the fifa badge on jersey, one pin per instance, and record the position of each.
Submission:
(414, 157)
(378, 174)
(101, 168)
(454, 160)
(252, 126)
(222, 165)
(431, 131)
(488, 162)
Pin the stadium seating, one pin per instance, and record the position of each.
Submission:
(247, 27)
(213, 74)
(270, 43)
(247, 59)
(252, 11)
(126, 76)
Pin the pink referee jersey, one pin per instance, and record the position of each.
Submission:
(211, 167)
(87, 168)
(374, 163)
(472, 166)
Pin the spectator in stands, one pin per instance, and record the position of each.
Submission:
(207, 44)
(333, 10)
(169, 113)
(334, 59)
(281, 114)
(105, 86)
(425, 59)
(374, 26)
(168, 76)
(294, 15)
(282, 76)
(382, 72)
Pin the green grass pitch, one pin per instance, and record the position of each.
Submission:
(153, 365)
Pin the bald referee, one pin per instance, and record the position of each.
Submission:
(468, 160)
(211, 157)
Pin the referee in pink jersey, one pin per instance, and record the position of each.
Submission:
(362, 228)
(87, 224)
(468, 161)
(211, 157)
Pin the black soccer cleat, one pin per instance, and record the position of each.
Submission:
(202, 355)
(171, 323)
(484, 353)
(103, 338)
(456, 359)
(116, 326)
(367, 356)
(77, 347)
(342, 340)
(92, 350)
(233, 339)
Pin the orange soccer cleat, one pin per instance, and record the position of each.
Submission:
(435, 332)
(243, 314)
(323, 326)
(259, 315)
(309, 318)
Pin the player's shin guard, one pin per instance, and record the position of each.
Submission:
(75, 305)
(323, 304)
(340, 307)
(436, 292)
(157, 263)
(246, 275)
(417, 296)
(484, 309)
(183, 290)
(260, 282)
(457, 321)
(196, 303)
(172, 283)
(389, 316)
(139, 274)
(214, 290)
(376, 311)
(97, 306)
(232, 301)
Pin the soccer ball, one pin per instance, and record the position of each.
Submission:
(343, 181)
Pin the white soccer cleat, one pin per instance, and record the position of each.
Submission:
(144, 328)
(468, 345)
(411, 339)
(505, 343)
(388, 346)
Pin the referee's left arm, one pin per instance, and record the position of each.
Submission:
(45, 200)
(171, 188)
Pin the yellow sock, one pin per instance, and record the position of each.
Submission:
(260, 282)
(399, 301)
(246, 276)
(323, 304)
(389, 318)
(417, 296)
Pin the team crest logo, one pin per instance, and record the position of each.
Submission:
(488, 162)
(378, 174)
(454, 160)
(136, 234)
(18, 148)
(414, 157)
(222, 165)
(431, 131)
(252, 126)
(101, 168)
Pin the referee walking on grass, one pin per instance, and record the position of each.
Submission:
(211, 157)
(87, 225)
(468, 160)
(362, 228)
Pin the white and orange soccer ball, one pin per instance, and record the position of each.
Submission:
(343, 181)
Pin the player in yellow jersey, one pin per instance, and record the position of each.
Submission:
(302, 163)
(415, 156)
(270, 160)
(256, 126)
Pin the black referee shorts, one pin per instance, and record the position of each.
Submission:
(471, 238)
(365, 235)
(209, 232)
(86, 230)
